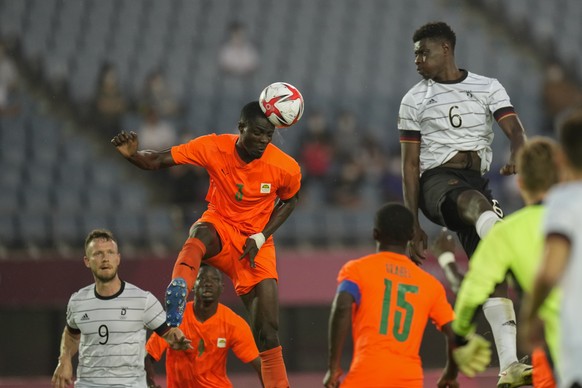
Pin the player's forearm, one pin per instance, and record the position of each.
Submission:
(69, 345)
(451, 369)
(146, 160)
(514, 131)
(339, 325)
(411, 189)
(282, 211)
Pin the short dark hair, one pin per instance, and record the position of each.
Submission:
(536, 164)
(394, 223)
(210, 267)
(99, 233)
(570, 137)
(251, 111)
(436, 30)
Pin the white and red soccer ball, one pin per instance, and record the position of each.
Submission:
(282, 103)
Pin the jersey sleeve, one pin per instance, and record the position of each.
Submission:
(408, 125)
(70, 316)
(498, 101)
(441, 312)
(291, 185)
(197, 151)
(244, 346)
(154, 315)
(488, 267)
(156, 346)
(559, 218)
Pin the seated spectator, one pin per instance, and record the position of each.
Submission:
(158, 95)
(110, 102)
(560, 95)
(238, 56)
(316, 149)
(9, 82)
(155, 133)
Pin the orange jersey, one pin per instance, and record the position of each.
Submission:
(395, 300)
(242, 193)
(205, 365)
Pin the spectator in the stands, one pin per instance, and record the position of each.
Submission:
(157, 94)
(238, 56)
(110, 101)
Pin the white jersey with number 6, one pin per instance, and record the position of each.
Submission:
(449, 117)
(113, 335)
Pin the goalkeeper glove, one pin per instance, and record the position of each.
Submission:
(474, 356)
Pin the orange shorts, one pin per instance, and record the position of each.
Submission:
(543, 376)
(244, 278)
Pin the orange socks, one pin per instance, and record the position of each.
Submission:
(188, 261)
(273, 368)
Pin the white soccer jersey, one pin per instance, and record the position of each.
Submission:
(113, 335)
(450, 117)
(563, 215)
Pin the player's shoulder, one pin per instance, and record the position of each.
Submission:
(276, 156)
(223, 141)
(131, 290)
(83, 293)
(560, 196)
(481, 80)
(418, 89)
(520, 218)
(227, 314)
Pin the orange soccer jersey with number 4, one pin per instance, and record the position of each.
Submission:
(205, 365)
(242, 193)
(396, 300)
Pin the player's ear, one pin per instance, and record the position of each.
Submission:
(376, 234)
(241, 126)
(86, 261)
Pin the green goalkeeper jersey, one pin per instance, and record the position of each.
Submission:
(515, 245)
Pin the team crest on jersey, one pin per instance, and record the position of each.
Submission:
(265, 188)
(469, 94)
(123, 312)
(221, 343)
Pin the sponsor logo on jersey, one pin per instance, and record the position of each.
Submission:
(265, 188)
(431, 101)
(85, 317)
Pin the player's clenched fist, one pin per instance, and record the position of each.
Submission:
(126, 143)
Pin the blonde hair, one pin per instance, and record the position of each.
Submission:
(536, 164)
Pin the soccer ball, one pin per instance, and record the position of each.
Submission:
(282, 104)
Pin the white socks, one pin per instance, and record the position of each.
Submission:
(501, 317)
(485, 222)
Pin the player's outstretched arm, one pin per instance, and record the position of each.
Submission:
(127, 145)
(63, 374)
(411, 192)
(513, 129)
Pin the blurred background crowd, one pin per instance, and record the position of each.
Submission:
(75, 72)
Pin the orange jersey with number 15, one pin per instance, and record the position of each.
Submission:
(394, 300)
(242, 193)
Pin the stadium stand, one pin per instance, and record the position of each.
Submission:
(359, 56)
